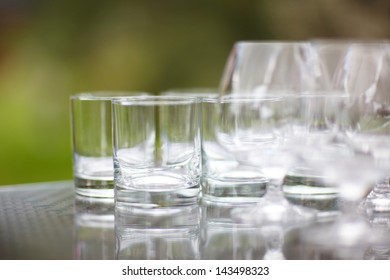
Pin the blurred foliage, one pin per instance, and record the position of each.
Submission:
(50, 49)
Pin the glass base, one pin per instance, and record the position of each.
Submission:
(378, 200)
(164, 200)
(94, 188)
(302, 188)
(234, 192)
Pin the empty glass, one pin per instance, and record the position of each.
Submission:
(278, 68)
(92, 142)
(156, 151)
(224, 177)
(361, 69)
(351, 151)
(256, 131)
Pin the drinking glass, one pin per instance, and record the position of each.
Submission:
(93, 170)
(362, 72)
(225, 179)
(156, 151)
(260, 67)
(256, 131)
(280, 68)
(352, 153)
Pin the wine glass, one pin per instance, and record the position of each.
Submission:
(363, 73)
(256, 131)
(352, 156)
(273, 68)
(280, 66)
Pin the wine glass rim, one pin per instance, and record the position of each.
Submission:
(271, 97)
(241, 99)
(192, 92)
(324, 93)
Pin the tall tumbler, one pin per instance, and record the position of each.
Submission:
(156, 151)
(93, 170)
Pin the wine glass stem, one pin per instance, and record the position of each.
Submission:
(349, 211)
(274, 190)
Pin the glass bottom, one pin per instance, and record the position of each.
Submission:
(378, 200)
(303, 188)
(94, 188)
(233, 191)
(164, 200)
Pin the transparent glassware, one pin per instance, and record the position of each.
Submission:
(352, 155)
(333, 56)
(256, 131)
(362, 71)
(156, 150)
(93, 170)
(255, 67)
(273, 68)
(225, 179)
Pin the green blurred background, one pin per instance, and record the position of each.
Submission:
(50, 49)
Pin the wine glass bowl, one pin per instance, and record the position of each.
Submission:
(257, 131)
(260, 67)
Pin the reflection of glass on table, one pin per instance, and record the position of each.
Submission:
(222, 238)
(150, 234)
(94, 236)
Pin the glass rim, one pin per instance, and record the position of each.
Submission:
(189, 91)
(106, 95)
(239, 99)
(148, 100)
(192, 92)
(272, 97)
